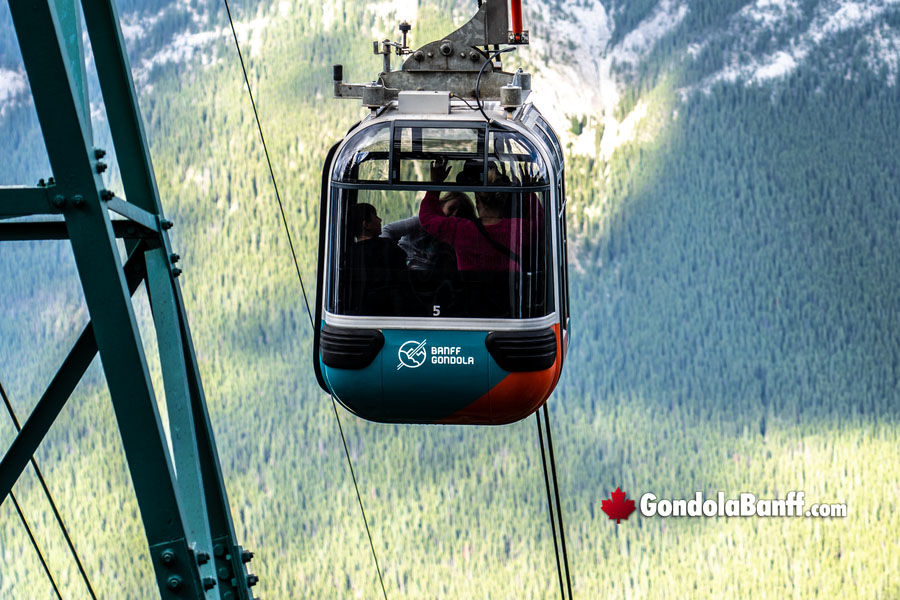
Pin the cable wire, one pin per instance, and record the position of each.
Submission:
(49, 496)
(35, 544)
(358, 496)
(302, 287)
(464, 101)
(478, 79)
(561, 542)
(269, 162)
(550, 505)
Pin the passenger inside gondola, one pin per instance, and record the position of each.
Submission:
(494, 240)
(424, 252)
(376, 264)
(487, 248)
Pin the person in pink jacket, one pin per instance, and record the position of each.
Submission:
(493, 241)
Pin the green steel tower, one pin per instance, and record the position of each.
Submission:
(181, 495)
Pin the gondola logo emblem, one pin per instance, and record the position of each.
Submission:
(412, 354)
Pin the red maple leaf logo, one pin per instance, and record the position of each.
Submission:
(618, 507)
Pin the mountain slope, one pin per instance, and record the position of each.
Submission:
(734, 300)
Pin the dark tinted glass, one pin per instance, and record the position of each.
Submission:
(389, 259)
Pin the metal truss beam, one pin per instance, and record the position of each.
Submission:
(74, 162)
(186, 518)
(23, 201)
(134, 213)
(197, 461)
(56, 230)
(58, 392)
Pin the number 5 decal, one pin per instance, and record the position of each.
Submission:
(437, 310)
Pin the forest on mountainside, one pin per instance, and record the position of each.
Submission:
(735, 328)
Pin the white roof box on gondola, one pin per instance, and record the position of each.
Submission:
(424, 103)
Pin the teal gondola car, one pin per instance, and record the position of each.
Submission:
(428, 311)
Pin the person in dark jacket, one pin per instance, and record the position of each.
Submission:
(377, 266)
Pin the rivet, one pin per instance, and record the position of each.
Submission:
(167, 556)
(173, 582)
(78, 200)
(101, 166)
(59, 201)
(202, 557)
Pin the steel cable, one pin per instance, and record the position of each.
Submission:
(269, 163)
(550, 511)
(562, 528)
(302, 286)
(35, 544)
(358, 496)
(558, 544)
(57, 516)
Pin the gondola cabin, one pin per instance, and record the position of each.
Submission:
(442, 291)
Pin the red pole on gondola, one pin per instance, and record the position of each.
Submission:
(517, 35)
(515, 13)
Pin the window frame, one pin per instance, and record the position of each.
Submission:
(544, 152)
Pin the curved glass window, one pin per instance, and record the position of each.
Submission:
(440, 220)
(514, 161)
(472, 154)
(407, 253)
(365, 157)
(549, 136)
